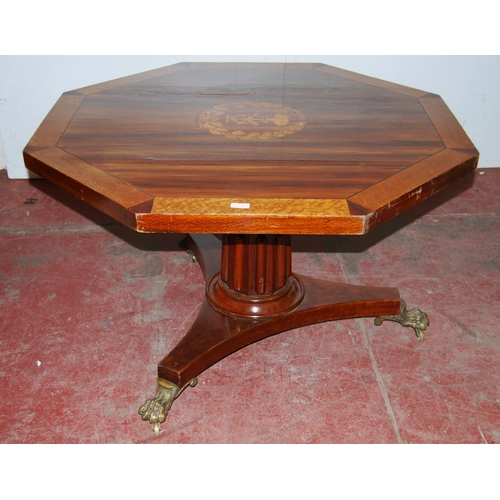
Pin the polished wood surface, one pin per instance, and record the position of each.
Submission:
(217, 333)
(251, 148)
(255, 152)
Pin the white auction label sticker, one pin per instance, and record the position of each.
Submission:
(240, 205)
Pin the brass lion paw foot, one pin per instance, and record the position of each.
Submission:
(184, 246)
(414, 318)
(156, 410)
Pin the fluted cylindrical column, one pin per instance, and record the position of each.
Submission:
(256, 264)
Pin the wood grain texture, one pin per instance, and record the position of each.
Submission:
(413, 184)
(88, 183)
(149, 147)
(292, 216)
(357, 77)
(54, 124)
(216, 334)
(132, 79)
(450, 131)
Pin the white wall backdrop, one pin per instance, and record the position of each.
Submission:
(30, 85)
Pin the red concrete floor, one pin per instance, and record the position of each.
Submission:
(89, 307)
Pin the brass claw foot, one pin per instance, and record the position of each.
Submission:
(414, 318)
(183, 246)
(156, 410)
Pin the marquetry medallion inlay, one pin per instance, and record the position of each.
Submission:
(251, 120)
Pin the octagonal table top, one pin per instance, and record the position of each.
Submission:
(251, 148)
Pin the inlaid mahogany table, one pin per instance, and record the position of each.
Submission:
(252, 153)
